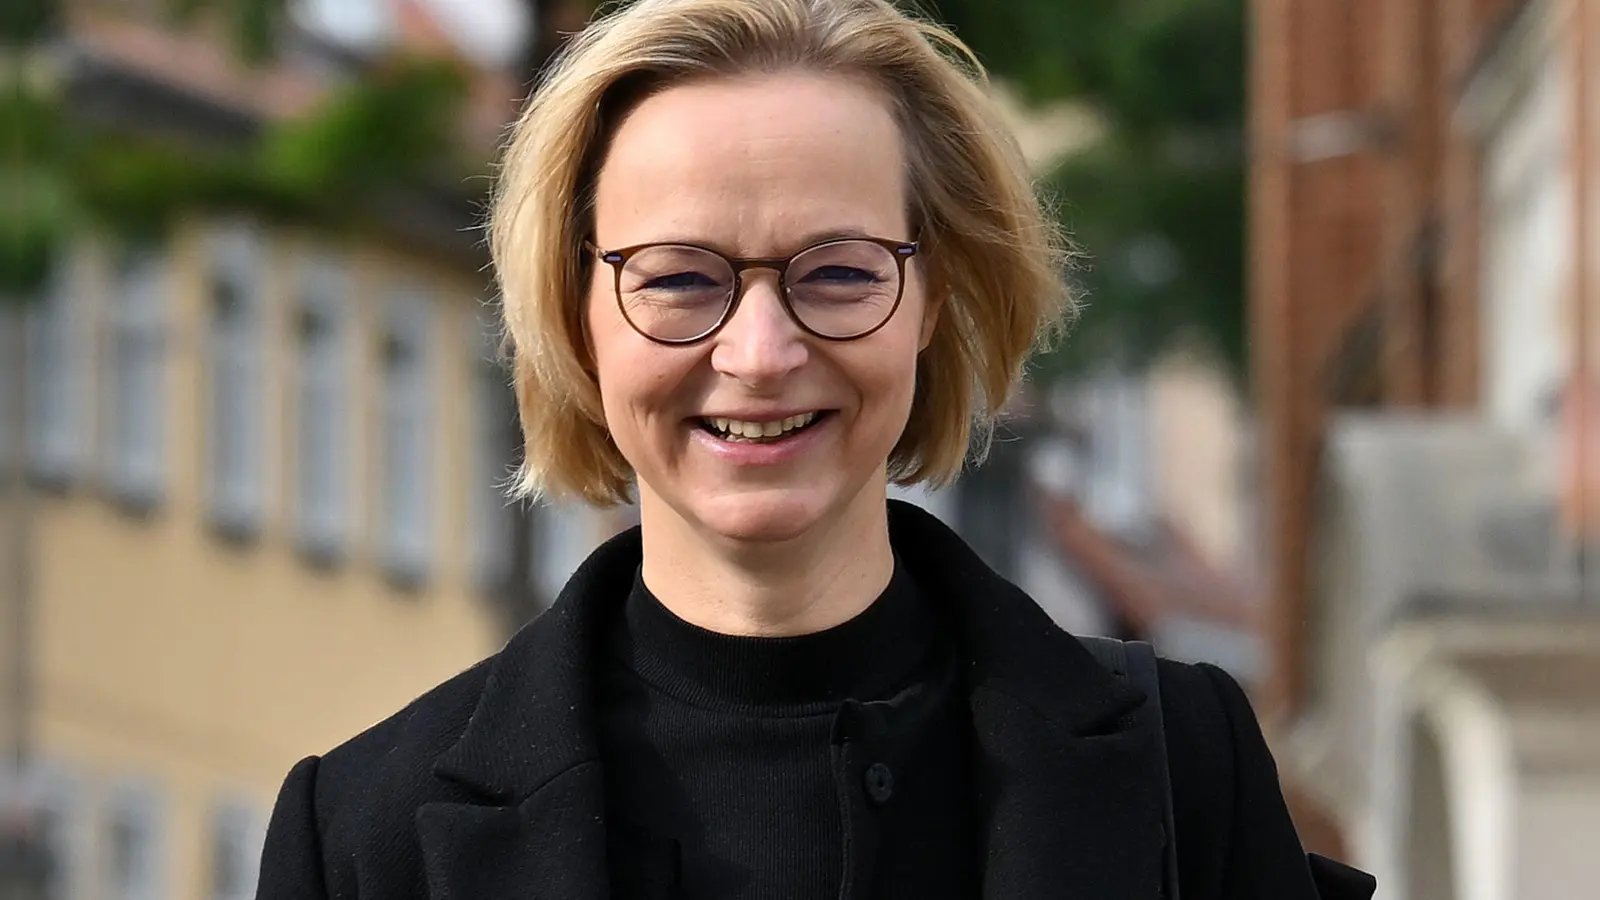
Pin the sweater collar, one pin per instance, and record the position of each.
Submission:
(863, 658)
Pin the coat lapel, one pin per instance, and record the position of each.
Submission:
(528, 758)
(551, 846)
(1062, 754)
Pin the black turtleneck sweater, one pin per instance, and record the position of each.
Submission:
(830, 766)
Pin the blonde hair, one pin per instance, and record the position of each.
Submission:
(993, 256)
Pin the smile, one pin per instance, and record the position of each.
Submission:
(737, 431)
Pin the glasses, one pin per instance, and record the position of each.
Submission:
(838, 290)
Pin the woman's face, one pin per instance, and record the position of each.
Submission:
(762, 166)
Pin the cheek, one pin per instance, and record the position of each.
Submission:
(885, 374)
(609, 348)
(639, 381)
(616, 349)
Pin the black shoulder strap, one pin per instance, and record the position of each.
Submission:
(1135, 662)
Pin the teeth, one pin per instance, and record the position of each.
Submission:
(737, 428)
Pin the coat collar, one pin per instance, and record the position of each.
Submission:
(1057, 741)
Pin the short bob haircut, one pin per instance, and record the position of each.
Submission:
(993, 257)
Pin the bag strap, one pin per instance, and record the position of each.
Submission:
(1135, 663)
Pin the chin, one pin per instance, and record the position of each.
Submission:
(770, 516)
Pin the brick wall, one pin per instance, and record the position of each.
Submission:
(1364, 256)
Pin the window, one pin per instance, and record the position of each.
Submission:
(131, 852)
(47, 852)
(405, 491)
(134, 430)
(494, 439)
(236, 839)
(322, 508)
(48, 861)
(234, 442)
(58, 355)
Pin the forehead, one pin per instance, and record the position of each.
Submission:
(754, 165)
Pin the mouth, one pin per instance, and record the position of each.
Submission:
(770, 432)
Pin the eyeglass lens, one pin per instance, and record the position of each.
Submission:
(838, 290)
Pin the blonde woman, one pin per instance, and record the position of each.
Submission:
(760, 259)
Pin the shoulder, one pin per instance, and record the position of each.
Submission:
(400, 750)
(386, 771)
(1204, 709)
(1200, 704)
(416, 733)
(1236, 837)
(359, 798)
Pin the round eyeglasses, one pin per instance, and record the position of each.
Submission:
(838, 290)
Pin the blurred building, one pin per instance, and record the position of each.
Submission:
(264, 486)
(1426, 259)
(265, 464)
(1133, 510)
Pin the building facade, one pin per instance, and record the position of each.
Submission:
(260, 467)
(265, 502)
(1424, 319)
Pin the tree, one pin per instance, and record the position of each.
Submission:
(63, 175)
(1157, 206)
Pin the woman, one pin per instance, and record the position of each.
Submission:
(759, 259)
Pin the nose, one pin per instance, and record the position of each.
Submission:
(760, 345)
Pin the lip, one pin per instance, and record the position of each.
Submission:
(752, 455)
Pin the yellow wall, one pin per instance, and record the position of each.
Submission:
(168, 654)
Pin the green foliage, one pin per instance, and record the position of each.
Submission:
(1159, 206)
(1167, 255)
(23, 22)
(392, 128)
(253, 25)
(39, 208)
(1047, 49)
(388, 130)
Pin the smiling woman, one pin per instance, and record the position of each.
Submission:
(778, 168)
(759, 260)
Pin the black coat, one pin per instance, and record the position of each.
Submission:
(490, 785)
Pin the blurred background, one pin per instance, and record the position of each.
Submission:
(1330, 418)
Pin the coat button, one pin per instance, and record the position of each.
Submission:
(880, 783)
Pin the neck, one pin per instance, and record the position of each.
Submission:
(806, 584)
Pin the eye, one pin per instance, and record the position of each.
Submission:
(680, 281)
(836, 273)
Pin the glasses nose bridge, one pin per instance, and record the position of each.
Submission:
(736, 299)
(741, 266)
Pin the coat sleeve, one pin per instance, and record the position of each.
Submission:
(1262, 852)
(291, 858)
